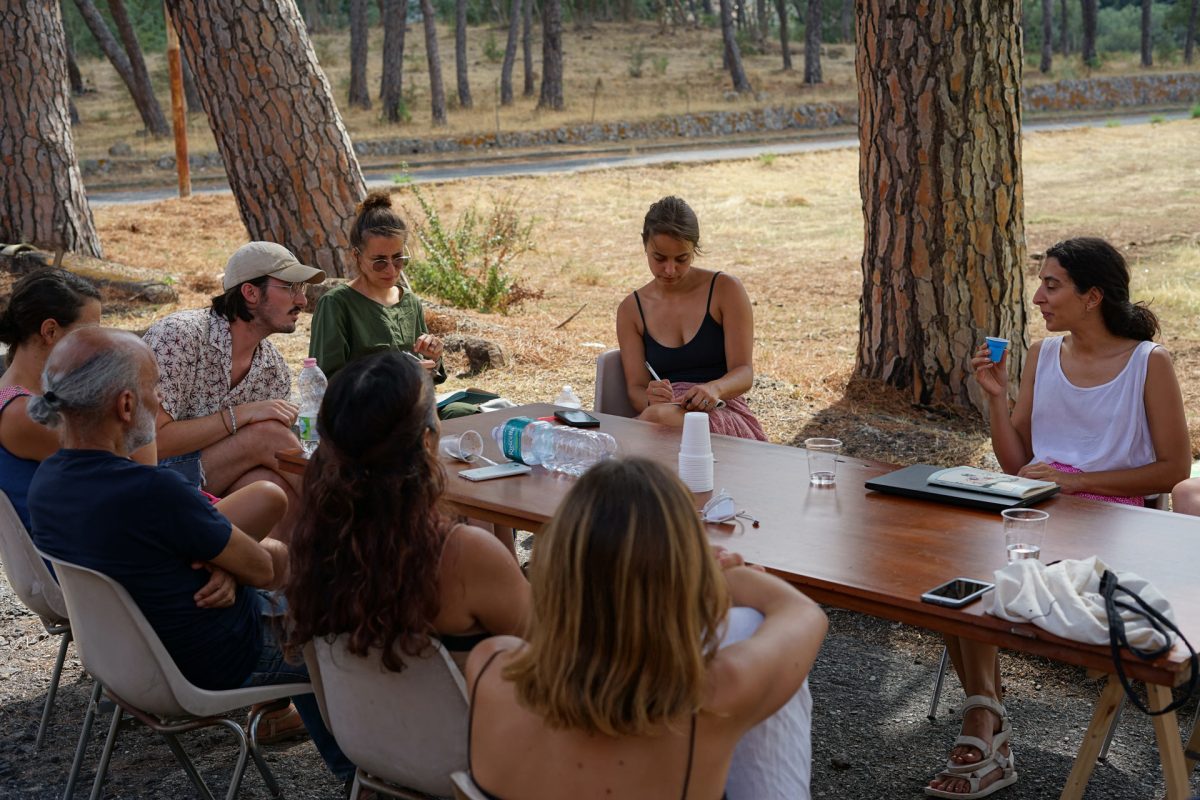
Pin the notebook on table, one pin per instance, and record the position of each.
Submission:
(914, 481)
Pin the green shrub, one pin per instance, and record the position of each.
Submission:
(767, 159)
(465, 265)
(637, 60)
(1196, 111)
(1157, 119)
(491, 49)
(1113, 123)
(660, 65)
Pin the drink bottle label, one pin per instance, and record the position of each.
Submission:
(308, 428)
(513, 431)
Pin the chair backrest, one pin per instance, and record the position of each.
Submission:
(465, 788)
(611, 397)
(408, 727)
(26, 570)
(117, 645)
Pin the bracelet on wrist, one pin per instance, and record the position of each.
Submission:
(232, 421)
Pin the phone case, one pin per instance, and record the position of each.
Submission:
(957, 602)
(498, 471)
(576, 419)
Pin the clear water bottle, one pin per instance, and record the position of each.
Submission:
(519, 439)
(567, 398)
(312, 384)
(573, 451)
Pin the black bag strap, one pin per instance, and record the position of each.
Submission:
(1117, 640)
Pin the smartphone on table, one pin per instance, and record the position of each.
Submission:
(957, 593)
(576, 418)
(498, 471)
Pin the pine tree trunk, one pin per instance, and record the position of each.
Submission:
(1147, 40)
(760, 28)
(143, 91)
(627, 10)
(741, 14)
(940, 178)
(510, 54)
(460, 54)
(42, 200)
(733, 55)
(551, 96)
(1047, 36)
(288, 158)
(1088, 47)
(74, 77)
(812, 43)
(707, 6)
(437, 94)
(784, 44)
(391, 81)
(360, 95)
(527, 48)
(312, 17)
(151, 115)
(191, 94)
(1064, 28)
(1189, 47)
(848, 21)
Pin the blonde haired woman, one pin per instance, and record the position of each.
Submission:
(622, 688)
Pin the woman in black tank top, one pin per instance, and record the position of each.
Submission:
(687, 337)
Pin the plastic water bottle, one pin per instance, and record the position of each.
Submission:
(573, 451)
(519, 439)
(567, 398)
(312, 385)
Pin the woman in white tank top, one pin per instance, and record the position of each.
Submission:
(1099, 412)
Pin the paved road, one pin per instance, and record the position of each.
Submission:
(625, 157)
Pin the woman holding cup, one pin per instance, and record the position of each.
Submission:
(1098, 412)
(687, 336)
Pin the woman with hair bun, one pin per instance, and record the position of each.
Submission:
(1099, 412)
(372, 313)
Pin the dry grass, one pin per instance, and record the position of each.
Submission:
(597, 64)
(799, 261)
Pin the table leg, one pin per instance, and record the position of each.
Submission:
(1192, 751)
(1170, 747)
(1093, 738)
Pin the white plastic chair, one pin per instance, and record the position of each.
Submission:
(611, 397)
(465, 788)
(405, 731)
(37, 589)
(123, 653)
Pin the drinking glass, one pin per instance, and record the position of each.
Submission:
(466, 446)
(822, 460)
(1024, 529)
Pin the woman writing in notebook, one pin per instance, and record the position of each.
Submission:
(693, 327)
(1099, 412)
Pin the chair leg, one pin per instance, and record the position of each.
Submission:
(235, 781)
(357, 786)
(53, 690)
(1112, 731)
(84, 735)
(937, 684)
(188, 767)
(255, 752)
(106, 755)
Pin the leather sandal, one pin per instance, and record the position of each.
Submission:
(283, 725)
(985, 750)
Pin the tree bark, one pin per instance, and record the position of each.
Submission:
(733, 55)
(288, 158)
(812, 43)
(940, 178)
(760, 27)
(1147, 40)
(1064, 29)
(707, 6)
(1189, 47)
(143, 91)
(510, 54)
(848, 21)
(437, 94)
(741, 14)
(1047, 36)
(784, 44)
(151, 115)
(460, 54)
(551, 96)
(1088, 47)
(391, 81)
(190, 93)
(42, 200)
(527, 47)
(75, 78)
(360, 95)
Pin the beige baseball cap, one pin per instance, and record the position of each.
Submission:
(256, 259)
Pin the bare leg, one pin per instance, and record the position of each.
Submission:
(287, 484)
(1185, 497)
(978, 668)
(256, 508)
(248, 456)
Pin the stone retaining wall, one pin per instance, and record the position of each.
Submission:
(1090, 94)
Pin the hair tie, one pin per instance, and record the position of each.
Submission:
(52, 399)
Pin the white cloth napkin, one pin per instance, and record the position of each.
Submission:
(1064, 599)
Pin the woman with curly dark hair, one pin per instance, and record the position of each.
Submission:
(374, 555)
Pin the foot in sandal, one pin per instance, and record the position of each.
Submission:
(981, 762)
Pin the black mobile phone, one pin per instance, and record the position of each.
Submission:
(576, 418)
(957, 593)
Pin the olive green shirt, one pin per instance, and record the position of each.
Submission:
(348, 325)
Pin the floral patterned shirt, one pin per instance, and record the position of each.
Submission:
(194, 350)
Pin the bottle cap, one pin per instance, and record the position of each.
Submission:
(310, 362)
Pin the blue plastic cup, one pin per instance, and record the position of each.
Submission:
(996, 348)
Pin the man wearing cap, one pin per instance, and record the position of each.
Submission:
(224, 387)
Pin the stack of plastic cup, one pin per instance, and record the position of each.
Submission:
(695, 453)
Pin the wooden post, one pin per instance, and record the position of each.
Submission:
(178, 112)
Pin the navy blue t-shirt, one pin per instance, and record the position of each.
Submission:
(144, 527)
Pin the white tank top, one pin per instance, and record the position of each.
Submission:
(1096, 428)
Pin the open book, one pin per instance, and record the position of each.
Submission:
(475, 396)
(981, 480)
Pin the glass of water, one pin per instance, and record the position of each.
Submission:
(1024, 529)
(822, 460)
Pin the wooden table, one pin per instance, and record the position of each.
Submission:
(876, 553)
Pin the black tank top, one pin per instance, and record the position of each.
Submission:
(698, 361)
